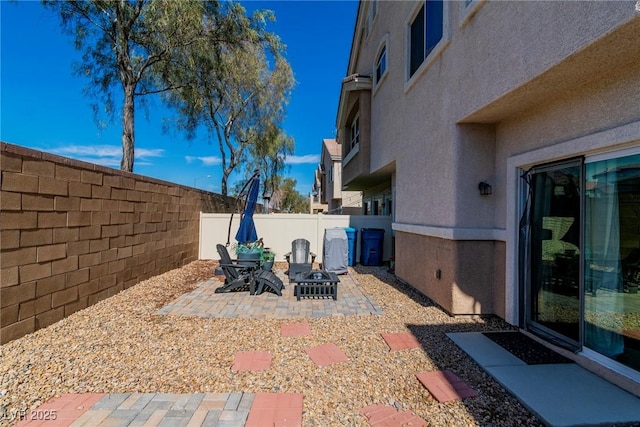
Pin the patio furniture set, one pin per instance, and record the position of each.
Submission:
(242, 275)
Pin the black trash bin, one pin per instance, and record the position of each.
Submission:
(371, 240)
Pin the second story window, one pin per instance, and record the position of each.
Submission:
(424, 33)
(355, 132)
(381, 64)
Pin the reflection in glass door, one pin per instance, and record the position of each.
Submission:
(553, 283)
(612, 258)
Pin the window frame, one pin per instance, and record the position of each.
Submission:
(418, 18)
(352, 144)
(435, 51)
(381, 65)
(382, 48)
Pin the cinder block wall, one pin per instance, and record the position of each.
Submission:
(74, 233)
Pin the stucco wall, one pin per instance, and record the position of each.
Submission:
(505, 60)
(508, 79)
(74, 233)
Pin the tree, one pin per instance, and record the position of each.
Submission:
(239, 95)
(269, 155)
(126, 44)
(289, 199)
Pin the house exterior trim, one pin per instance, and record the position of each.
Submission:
(452, 233)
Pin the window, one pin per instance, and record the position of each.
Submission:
(355, 132)
(424, 33)
(381, 64)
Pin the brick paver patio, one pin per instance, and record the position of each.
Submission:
(204, 302)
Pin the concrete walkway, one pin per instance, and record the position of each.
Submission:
(559, 394)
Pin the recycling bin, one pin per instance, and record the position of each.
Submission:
(352, 235)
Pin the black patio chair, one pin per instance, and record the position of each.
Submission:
(300, 258)
(239, 275)
(267, 281)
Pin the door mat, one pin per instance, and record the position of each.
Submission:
(526, 349)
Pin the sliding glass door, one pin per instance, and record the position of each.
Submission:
(580, 254)
(553, 283)
(612, 258)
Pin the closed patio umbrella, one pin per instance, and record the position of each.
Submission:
(247, 230)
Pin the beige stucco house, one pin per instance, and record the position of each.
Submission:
(506, 138)
(316, 205)
(328, 182)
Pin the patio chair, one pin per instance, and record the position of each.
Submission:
(239, 276)
(300, 258)
(266, 281)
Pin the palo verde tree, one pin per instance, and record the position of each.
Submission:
(126, 44)
(239, 96)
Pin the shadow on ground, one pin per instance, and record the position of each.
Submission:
(490, 407)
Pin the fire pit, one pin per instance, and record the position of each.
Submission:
(316, 283)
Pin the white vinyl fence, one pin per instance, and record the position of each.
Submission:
(279, 230)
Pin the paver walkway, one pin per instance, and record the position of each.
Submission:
(168, 410)
(204, 302)
(388, 416)
(326, 355)
(400, 341)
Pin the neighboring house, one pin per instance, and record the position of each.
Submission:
(329, 177)
(508, 135)
(316, 205)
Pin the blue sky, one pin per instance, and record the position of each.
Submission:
(43, 105)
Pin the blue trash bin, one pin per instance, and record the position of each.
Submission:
(352, 234)
(371, 240)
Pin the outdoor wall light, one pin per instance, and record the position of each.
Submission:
(485, 189)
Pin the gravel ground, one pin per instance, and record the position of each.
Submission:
(120, 345)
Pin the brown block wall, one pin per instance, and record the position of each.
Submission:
(73, 233)
(468, 282)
